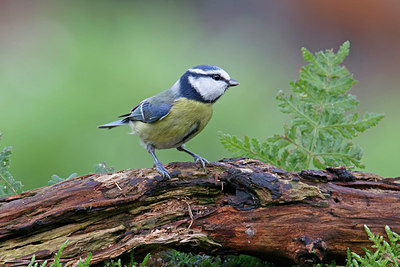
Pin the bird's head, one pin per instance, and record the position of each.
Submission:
(205, 83)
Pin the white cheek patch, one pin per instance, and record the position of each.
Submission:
(208, 88)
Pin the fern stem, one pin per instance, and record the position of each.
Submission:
(248, 151)
(342, 155)
(339, 125)
(313, 123)
(8, 184)
(321, 110)
(296, 144)
(313, 142)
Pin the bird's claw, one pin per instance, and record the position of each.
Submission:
(201, 160)
(162, 170)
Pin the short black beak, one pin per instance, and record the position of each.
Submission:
(233, 82)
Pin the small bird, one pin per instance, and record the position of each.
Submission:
(176, 115)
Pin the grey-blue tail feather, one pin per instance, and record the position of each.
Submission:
(113, 124)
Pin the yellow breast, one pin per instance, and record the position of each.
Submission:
(184, 121)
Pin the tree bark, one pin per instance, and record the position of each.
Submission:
(237, 206)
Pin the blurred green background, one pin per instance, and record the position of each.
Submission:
(68, 66)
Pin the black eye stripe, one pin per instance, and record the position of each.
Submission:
(220, 78)
(195, 74)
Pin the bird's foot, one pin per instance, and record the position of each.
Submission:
(196, 157)
(162, 170)
(200, 160)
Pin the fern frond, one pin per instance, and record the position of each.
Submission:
(8, 185)
(322, 126)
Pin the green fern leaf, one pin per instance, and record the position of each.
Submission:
(323, 122)
(8, 185)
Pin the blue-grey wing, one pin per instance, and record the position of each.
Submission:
(148, 112)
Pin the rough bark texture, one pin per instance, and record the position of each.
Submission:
(238, 206)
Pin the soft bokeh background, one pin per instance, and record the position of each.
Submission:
(68, 66)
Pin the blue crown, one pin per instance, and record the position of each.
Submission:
(206, 67)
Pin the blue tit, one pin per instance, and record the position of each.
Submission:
(176, 115)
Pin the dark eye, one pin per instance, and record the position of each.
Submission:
(216, 77)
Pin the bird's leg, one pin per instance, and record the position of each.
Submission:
(159, 166)
(196, 157)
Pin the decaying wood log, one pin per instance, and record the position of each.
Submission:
(238, 206)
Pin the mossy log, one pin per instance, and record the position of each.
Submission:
(237, 206)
